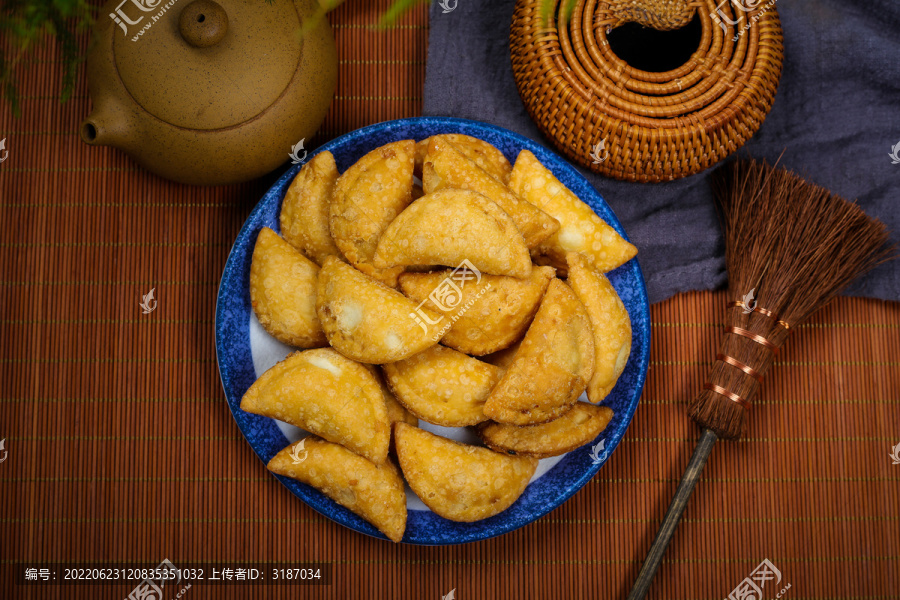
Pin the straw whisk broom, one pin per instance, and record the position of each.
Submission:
(790, 247)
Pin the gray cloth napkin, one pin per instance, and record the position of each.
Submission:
(836, 115)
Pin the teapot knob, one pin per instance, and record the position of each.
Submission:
(203, 23)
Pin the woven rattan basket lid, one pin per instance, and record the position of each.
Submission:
(638, 125)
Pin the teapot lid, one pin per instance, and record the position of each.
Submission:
(207, 64)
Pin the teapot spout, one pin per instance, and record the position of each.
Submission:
(89, 132)
(105, 128)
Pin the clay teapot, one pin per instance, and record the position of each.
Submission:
(209, 92)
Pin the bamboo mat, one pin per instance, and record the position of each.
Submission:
(121, 447)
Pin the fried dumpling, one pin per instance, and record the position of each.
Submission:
(485, 315)
(374, 492)
(366, 198)
(306, 207)
(443, 386)
(580, 229)
(446, 167)
(610, 324)
(283, 292)
(457, 481)
(552, 366)
(327, 394)
(366, 320)
(452, 226)
(573, 429)
(478, 151)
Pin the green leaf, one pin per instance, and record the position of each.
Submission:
(28, 22)
(397, 10)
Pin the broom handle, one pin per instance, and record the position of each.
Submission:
(673, 516)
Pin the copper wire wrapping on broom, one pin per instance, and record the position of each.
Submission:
(762, 311)
(753, 337)
(738, 364)
(730, 360)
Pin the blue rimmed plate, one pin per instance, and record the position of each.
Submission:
(244, 350)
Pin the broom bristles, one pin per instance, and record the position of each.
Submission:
(796, 246)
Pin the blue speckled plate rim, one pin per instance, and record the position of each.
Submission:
(266, 439)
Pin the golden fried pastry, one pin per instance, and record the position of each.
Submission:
(580, 230)
(446, 167)
(366, 320)
(503, 358)
(374, 492)
(283, 292)
(457, 481)
(449, 227)
(485, 315)
(553, 364)
(367, 197)
(328, 395)
(609, 322)
(395, 410)
(574, 429)
(478, 151)
(305, 210)
(443, 386)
